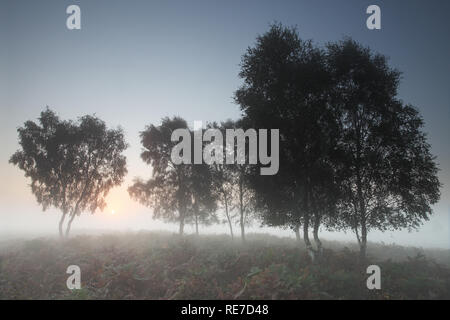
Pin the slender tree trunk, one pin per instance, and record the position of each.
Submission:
(297, 233)
(181, 229)
(83, 193)
(309, 247)
(316, 233)
(362, 210)
(72, 217)
(228, 217)
(242, 231)
(242, 213)
(357, 235)
(231, 228)
(363, 243)
(361, 203)
(196, 224)
(60, 226)
(182, 216)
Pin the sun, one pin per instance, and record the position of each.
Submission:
(113, 211)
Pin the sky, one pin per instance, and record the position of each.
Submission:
(135, 62)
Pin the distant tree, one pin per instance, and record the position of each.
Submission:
(167, 191)
(242, 194)
(231, 184)
(204, 201)
(286, 87)
(389, 174)
(72, 164)
(176, 192)
(296, 229)
(223, 186)
(223, 180)
(244, 197)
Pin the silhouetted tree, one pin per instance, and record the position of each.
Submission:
(223, 186)
(243, 195)
(204, 201)
(167, 191)
(244, 198)
(297, 232)
(223, 180)
(389, 175)
(176, 192)
(231, 183)
(285, 86)
(72, 165)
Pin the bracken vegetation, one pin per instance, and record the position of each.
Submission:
(152, 265)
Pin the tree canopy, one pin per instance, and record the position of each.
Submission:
(72, 164)
(176, 192)
(389, 174)
(352, 154)
(285, 86)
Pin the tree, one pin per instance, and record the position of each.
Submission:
(244, 198)
(223, 179)
(389, 176)
(72, 165)
(286, 86)
(223, 186)
(178, 192)
(167, 191)
(231, 184)
(204, 201)
(242, 194)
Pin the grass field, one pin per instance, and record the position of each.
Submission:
(156, 265)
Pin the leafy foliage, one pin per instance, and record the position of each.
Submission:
(352, 154)
(176, 192)
(72, 165)
(389, 177)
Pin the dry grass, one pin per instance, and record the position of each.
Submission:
(156, 265)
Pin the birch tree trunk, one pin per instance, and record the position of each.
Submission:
(228, 216)
(72, 217)
(316, 234)
(60, 226)
(297, 233)
(309, 247)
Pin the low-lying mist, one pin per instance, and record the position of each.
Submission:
(164, 265)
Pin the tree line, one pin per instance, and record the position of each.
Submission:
(353, 156)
